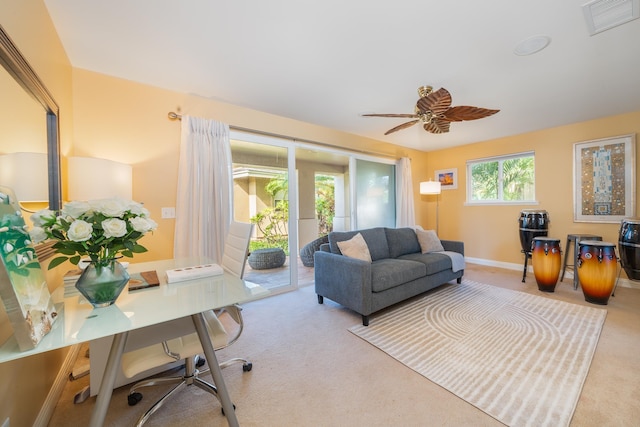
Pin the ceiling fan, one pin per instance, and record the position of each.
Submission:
(435, 111)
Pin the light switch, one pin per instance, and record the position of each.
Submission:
(168, 213)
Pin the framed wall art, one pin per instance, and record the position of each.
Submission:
(448, 178)
(604, 179)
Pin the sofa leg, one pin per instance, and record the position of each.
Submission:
(459, 280)
(365, 320)
(320, 299)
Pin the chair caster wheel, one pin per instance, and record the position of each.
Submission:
(200, 362)
(134, 398)
(247, 367)
(222, 409)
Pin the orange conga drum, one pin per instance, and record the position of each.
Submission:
(597, 266)
(546, 259)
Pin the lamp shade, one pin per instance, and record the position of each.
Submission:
(430, 187)
(90, 178)
(27, 175)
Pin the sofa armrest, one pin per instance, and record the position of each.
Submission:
(453, 246)
(344, 280)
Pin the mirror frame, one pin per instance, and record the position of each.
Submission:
(18, 67)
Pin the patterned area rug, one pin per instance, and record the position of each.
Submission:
(520, 358)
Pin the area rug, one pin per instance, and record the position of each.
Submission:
(520, 358)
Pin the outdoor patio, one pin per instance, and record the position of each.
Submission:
(276, 277)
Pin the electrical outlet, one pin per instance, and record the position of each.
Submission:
(6, 423)
(168, 213)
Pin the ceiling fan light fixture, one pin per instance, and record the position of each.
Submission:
(532, 45)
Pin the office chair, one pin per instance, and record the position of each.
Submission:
(188, 347)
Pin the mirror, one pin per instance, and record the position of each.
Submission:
(43, 136)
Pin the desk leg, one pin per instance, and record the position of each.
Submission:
(216, 372)
(108, 379)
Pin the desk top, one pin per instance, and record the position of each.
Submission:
(79, 322)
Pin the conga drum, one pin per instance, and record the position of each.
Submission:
(546, 259)
(597, 265)
(629, 247)
(532, 223)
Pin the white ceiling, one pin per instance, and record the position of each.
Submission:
(327, 62)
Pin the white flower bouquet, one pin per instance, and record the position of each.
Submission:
(103, 230)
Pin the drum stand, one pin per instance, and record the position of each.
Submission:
(527, 255)
(613, 293)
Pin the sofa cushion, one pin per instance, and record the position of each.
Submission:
(355, 247)
(375, 237)
(433, 261)
(429, 241)
(402, 241)
(389, 273)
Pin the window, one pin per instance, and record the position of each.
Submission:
(503, 179)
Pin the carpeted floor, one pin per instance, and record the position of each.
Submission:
(520, 358)
(309, 370)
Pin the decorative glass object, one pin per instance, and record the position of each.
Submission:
(102, 281)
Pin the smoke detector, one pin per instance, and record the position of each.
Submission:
(603, 15)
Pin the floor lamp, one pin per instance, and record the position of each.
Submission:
(432, 188)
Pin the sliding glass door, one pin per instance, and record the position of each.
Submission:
(295, 194)
(261, 194)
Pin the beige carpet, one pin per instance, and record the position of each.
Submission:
(309, 370)
(520, 358)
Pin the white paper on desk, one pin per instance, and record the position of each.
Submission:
(193, 272)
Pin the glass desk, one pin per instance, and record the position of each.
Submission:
(79, 322)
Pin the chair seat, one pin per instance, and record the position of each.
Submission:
(143, 359)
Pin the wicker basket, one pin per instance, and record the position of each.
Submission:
(307, 251)
(263, 259)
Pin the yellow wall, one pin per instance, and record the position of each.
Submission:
(491, 232)
(26, 382)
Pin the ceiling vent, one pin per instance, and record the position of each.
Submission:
(602, 15)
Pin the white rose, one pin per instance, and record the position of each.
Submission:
(76, 209)
(79, 231)
(154, 224)
(42, 216)
(114, 227)
(38, 234)
(140, 224)
(110, 207)
(136, 208)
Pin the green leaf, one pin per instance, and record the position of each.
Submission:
(66, 251)
(127, 253)
(57, 261)
(139, 249)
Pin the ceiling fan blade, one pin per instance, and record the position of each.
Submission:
(437, 125)
(465, 112)
(437, 102)
(407, 116)
(402, 126)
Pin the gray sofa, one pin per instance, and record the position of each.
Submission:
(399, 270)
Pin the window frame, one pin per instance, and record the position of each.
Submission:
(500, 159)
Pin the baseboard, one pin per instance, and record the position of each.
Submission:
(49, 405)
(622, 282)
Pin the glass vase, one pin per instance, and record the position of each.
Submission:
(102, 282)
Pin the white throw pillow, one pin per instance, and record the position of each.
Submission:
(356, 247)
(429, 241)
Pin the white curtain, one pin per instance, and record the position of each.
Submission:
(405, 212)
(204, 200)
